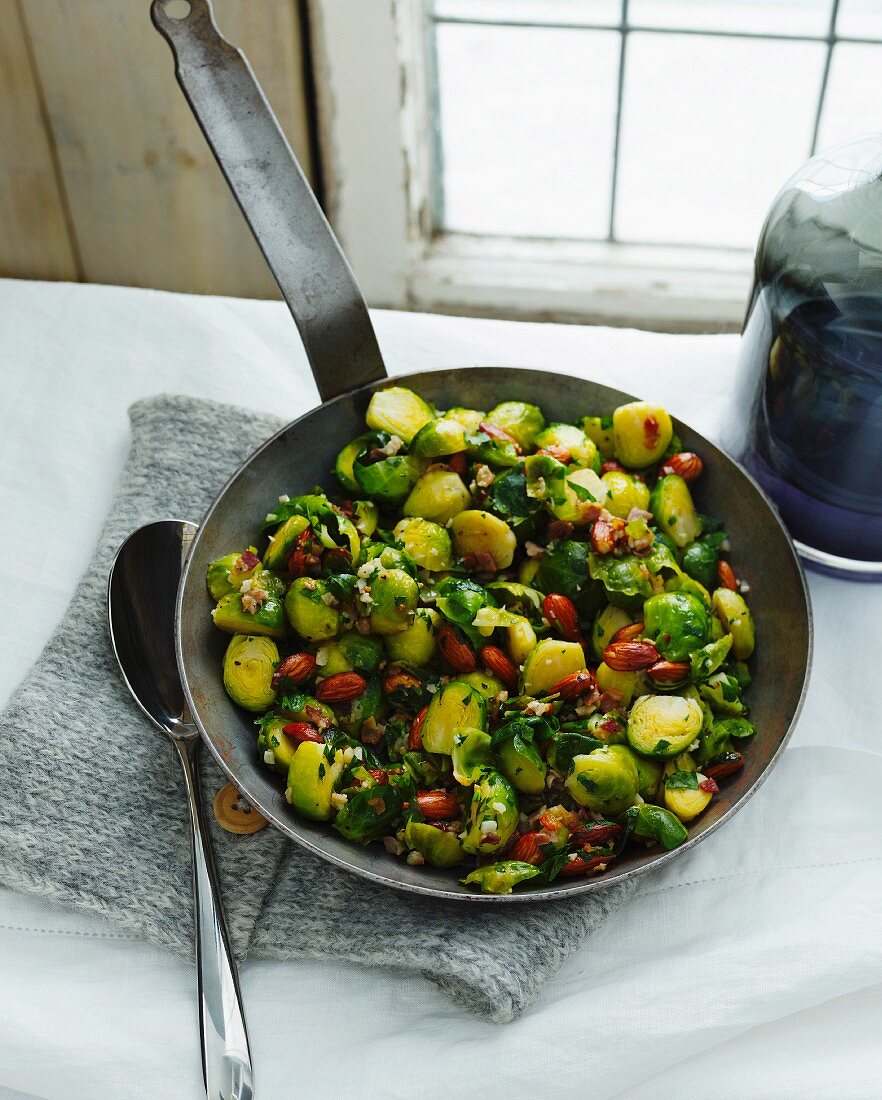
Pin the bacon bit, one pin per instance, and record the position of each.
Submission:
(608, 533)
(554, 450)
(611, 699)
(611, 465)
(370, 732)
(303, 731)
(708, 785)
(304, 558)
(651, 432)
(559, 529)
(458, 463)
(415, 737)
(480, 561)
(556, 816)
(727, 577)
(611, 725)
(247, 560)
(379, 776)
(500, 434)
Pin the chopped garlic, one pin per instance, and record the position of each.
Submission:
(499, 807)
(269, 757)
(415, 859)
(339, 800)
(489, 827)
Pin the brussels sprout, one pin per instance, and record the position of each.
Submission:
(608, 622)
(456, 707)
(609, 679)
(507, 498)
(723, 692)
(671, 505)
(391, 479)
(352, 653)
(490, 618)
(625, 491)
(483, 682)
(603, 781)
(739, 728)
(677, 623)
(520, 762)
(494, 814)
(471, 753)
(568, 495)
(427, 543)
(394, 596)
(476, 532)
(568, 744)
(331, 527)
(736, 619)
(599, 429)
(523, 422)
(344, 466)
(314, 770)
(500, 878)
(663, 725)
(369, 812)
(583, 451)
(563, 568)
(332, 659)
(548, 663)
(309, 611)
(439, 437)
(656, 823)
(609, 728)
(249, 664)
(700, 560)
(683, 795)
(281, 542)
(275, 747)
(517, 597)
(642, 432)
(268, 618)
(709, 658)
(303, 708)
(649, 772)
(492, 452)
(440, 848)
(469, 418)
(624, 579)
(528, 569)
(682, 582)
(415, 645)
(521, 640)
(399, 411)
(439, 495)
(367, 516)
(226, 575)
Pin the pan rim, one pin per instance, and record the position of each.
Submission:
(572, 889)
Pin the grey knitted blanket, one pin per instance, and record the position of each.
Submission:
(93, 809)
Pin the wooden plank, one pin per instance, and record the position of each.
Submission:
(34, 240)
(148, 203)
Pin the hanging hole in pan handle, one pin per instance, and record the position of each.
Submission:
(178, 10)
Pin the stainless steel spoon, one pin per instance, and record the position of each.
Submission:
(141, 594)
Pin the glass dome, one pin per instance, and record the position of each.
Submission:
(810, 375)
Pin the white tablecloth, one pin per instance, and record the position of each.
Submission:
(750, 968)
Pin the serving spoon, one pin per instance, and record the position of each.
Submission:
(141, 595)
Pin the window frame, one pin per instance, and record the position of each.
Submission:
(374, 79)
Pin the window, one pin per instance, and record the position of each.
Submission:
(586, 159)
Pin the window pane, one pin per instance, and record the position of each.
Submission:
(860, 19)
(711, 127)
(527, 119)
(754, 16)
(854, 94)
(604, 12)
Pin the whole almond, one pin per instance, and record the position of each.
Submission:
(398, 679)
(296, 668)
(727, 577)
(574, 685)
(561, 613)
(437, 805)
(628, 633)
(630, 656)
(455, 651)
(527, 848)
(341, 688)
(498, 663)
(415, 737)
(685, 464)
(668, 672)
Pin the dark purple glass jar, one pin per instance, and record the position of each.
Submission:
(809, 420)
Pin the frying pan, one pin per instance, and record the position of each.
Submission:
(330, 313)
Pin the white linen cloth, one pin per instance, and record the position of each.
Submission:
(750, 968)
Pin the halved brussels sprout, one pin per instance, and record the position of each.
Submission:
(344, 466)
(562, 568)
(391, 479)
(659, 824)
(490, 618)
(399, 411)
(608, 728)
(487, 685)
(521, 640)
(683, 794)
(314, 770)
(440, 848)
(469, 418)
(607, 622)
(427, 543)
(471, 753)
(249, 664)
(439, 437)
(494, 814)
(520, 763)
(500, 878)
(583, 451)
(624, 491)
(367, 516)
(642, 433)
(678, 624)
(569, 495)
(599, 429)
(226, 574)
(394, 596)
(700, 560)
(604, 781)
(275, 747)
(415, 645)
(492, 452)
(610, 679)
(456, 707)
(549, 662)
(663, 725)
(522, 421)
(268, 618)
(649, 772)
(438, 495)
(736, 619)
(281, 542)
(672, 509)
(723, 692)
(476, 532)
(370, 811)
(353, 652)
(310, 610)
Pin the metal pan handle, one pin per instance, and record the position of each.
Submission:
(275, 197)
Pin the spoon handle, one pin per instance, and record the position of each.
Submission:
(226, 1056)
